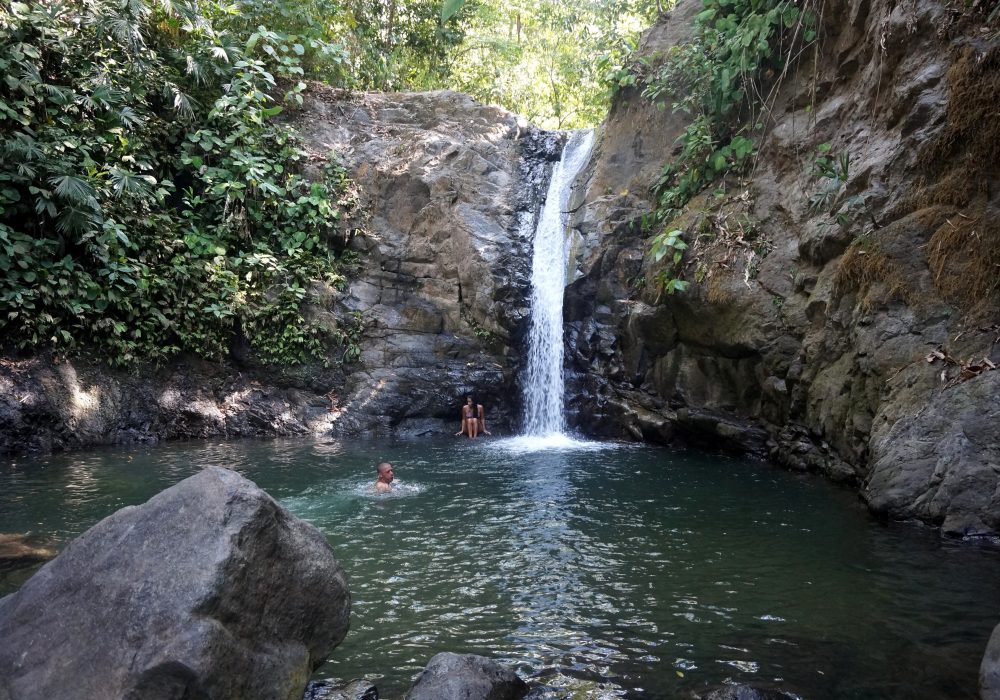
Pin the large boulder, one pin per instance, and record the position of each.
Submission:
(466, 677)
(209, 590)
(989, 670)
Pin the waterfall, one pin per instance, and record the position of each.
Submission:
(543, 383)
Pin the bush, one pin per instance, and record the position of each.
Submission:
(149, 204)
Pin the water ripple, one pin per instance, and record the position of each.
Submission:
(602, 570)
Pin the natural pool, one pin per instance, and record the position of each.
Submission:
(652, 572)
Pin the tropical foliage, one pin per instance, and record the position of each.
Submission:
(725, 80)
(153, 196)
(551, 61)
(148, 202)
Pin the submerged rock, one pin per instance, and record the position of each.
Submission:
(989, 670)
(355, 690)
(18, 550)
(466, 677)
(209, 590)
(746, 692)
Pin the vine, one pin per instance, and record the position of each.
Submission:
(723, 78)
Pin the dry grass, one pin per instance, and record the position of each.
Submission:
(959, 164)
(869, 272)
(717, 293)
(964, 259)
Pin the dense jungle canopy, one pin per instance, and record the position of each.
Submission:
(152, 201)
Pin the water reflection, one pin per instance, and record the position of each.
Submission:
(615, 570)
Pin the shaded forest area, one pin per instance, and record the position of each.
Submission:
(152, 201)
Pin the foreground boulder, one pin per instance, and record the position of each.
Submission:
(466, 677)
(989, 670)
(209, 590)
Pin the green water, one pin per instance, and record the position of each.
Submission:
(652, 572)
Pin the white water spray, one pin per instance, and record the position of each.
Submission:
(543, 384)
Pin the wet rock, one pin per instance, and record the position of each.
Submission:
(355, 690)
(746, 692)
(989, 670)
(210, 589)
(941, 464)
(18, 550)
(453, 188)
(466, 677)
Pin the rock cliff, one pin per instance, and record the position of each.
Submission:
(450, 188)
(864, 350)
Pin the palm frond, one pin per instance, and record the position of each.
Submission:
(74, 219)
(75, 190)
(182, 101)
(58, 94)
(138, 9)
(128, 117)
(195, 69)
(125, 182)
(123, 30)
(22, 146)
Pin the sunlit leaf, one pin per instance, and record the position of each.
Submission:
(449, 8)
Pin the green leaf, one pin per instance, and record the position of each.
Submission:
(449, 8)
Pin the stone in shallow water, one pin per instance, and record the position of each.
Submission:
(327, 690)
(17, 550)
(746, 692)
(466, 677)
(989, 671)
(209, 590)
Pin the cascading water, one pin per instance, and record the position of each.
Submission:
(543, 385)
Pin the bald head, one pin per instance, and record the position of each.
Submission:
(384, 472)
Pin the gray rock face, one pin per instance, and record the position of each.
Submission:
(989, 670)
(208, 590)
(452, 190)
(801, 339)
(466, 677)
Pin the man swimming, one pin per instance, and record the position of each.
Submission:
(384, 481)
